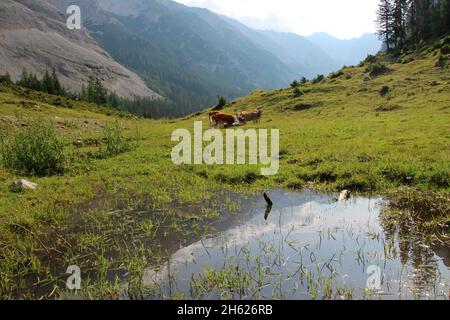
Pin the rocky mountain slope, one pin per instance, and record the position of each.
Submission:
(34, 35)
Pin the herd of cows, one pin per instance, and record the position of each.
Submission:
(223, 120)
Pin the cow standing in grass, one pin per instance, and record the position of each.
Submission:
(227, 120)
(246, 116)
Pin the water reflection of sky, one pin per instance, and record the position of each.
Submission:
(308, 230)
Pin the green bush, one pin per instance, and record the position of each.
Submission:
(337, 74)
(115, 141)
(384, 91)
(441, 60)
(445, 49)
(297, 92)
(376, 69)
(319, 78)
(371, 59)
(35, 151)
(295, 84)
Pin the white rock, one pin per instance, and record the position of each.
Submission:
(24, 184)
(344, 195)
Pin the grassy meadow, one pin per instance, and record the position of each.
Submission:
(386, 134)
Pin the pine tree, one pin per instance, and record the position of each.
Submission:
(6, 78)
(399, 8)
(90, 92)
(83, 93)
(295, 84)
(34, 83)
(222, 102)
(423, 19)
(56, 84)
(384, 22)
(411, 21)
(47, 83)
(23, 78)
(444, 15)
(101, 94)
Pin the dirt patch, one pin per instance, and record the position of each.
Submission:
(387, 108)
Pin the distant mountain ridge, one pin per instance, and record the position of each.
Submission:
(191, 55)
(347, 52)
(200, 54)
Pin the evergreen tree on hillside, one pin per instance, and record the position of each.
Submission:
(95, 91)
(385, 23)
(56, 85)
(47, 83)
(29, 80)
(222, 102)
(444, 12)
(295, 84)
(411, 21)
(23, 81)
(423, 19)
(403, 22)
(399, 8)
(6, 78)
(101, 94)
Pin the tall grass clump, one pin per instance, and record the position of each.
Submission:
(115, 141)
(35, 151)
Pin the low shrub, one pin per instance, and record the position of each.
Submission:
(371, 59)
(297, 92)
(441, 60)
(445, 49)
(376, 69)
(384, 91)
(115, 141)
(35, 151)
(319, 78)
(295, 84)
(337, 74)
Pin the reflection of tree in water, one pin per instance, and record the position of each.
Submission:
(413, 251)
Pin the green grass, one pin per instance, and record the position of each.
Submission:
(339, 134)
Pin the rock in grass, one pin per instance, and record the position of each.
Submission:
(24, 184)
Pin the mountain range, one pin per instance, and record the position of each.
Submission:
(187, 55)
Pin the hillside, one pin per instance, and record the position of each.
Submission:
(34, 36)
(385, 133)
(192, 55)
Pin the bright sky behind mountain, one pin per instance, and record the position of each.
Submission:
(343, 19)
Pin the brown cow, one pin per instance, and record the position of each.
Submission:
(222, 118)
(246, 116)
(211, 114)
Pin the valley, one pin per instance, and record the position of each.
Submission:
(118, 207)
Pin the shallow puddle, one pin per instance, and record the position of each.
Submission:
(310, 247)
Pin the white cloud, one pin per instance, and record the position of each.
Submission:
(343, 19)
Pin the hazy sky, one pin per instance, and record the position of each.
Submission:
(343, 19)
